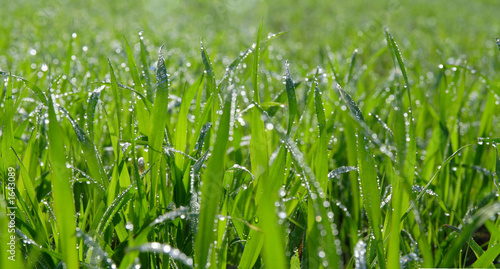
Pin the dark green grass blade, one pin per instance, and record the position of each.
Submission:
(64, 206)
(117, 99)
(158, 124)
(476, 221)
(292, 100)
(91, 106)
(211, 188)
(114, 208)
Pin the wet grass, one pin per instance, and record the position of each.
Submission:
(350, 145)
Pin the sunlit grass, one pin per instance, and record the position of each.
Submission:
(334, 144)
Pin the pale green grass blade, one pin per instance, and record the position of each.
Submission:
(211, 188)
(158, 125)
(64, 206)
(181, 130)
(274, 251)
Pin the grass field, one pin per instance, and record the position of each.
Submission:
(307, 134)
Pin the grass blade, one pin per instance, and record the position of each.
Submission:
(158, 125)
(64, 206)
(211, 188)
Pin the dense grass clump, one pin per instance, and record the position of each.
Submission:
(332, 143)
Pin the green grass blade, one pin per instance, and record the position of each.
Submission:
(181, 130)
(64, 206)
(158, 125)
(117, 99)
(119, 202)
(475, 222)
(211, 188)
(486, 260)
(368, 178)
(258, 142)
(292, 100)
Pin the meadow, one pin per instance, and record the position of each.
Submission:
(249, 134)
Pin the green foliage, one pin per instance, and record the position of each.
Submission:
(331, 144)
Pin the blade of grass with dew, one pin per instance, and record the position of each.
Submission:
(292, 99)
(274, 249)
(259, 157)
(117, 99)
(181, 130)
(158, 125)
(212, 186)
(268, 237)
(141, 112)
(327, 249)
(90, 154)
(211, 86)
(368, 179)
(404, 133)
(64, 207)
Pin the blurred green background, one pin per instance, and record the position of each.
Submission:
(228, 26)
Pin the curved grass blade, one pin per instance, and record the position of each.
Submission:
(212, 187)
(343, 169)
(471, 242)
(38, 92)
(90, 153)
(98, 254)
(64, 206)
(118, 203)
